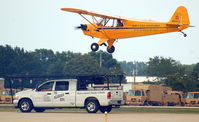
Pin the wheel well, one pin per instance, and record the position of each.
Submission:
(24, 99)
(90, 98)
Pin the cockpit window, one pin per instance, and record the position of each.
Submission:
(110, 22)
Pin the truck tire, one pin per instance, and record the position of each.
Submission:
(39, 109)
(25, 105)
(145, 103)
(104, 109)
(92, 106)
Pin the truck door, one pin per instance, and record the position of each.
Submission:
(63, 96)
(43, 95)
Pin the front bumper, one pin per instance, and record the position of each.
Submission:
(15, 103)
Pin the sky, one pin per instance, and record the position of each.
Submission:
(36, 24)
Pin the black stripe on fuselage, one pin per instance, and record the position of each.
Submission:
(137, 28)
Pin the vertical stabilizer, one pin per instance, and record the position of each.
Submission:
(180, 17)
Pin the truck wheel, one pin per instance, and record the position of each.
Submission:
(25, 105)
(104, 109)
(145, 103)
(39, 109)
(92, 106)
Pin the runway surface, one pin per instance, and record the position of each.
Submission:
(85, 117)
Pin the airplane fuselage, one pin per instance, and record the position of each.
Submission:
(131, 29)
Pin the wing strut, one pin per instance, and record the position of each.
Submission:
(87, 20)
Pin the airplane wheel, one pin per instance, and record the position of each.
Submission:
(94, 47)
(185, 35)
(111, 50)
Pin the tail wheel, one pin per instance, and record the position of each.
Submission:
(104, 109)
(25, 105)
(111, 50)
(94, 47)
(92, 106)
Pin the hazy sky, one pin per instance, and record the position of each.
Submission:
(34, 24)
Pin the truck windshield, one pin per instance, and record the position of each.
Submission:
(196, 95)
(7, 92)
(190, 95)
(135, 93)
(46, 87)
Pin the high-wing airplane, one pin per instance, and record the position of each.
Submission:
(110, 28)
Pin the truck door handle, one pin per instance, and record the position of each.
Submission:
(66, 93)
(48, 93)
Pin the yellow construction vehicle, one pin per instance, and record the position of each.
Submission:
(192, 99)
(147, 94)
(6, 95)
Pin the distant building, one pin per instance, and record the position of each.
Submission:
(140, 79)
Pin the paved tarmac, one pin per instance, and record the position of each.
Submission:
(85, 117)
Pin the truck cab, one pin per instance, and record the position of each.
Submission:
(192, 99)
(6, 96)
(136, 97)
(67, 93)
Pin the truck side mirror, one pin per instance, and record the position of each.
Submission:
(37, 88)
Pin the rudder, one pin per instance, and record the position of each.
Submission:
(180, 17)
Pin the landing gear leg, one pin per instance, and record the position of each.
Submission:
(94, 47)
(184, 34)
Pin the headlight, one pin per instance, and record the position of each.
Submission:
(16, 97)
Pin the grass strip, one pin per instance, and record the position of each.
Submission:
(119, 110)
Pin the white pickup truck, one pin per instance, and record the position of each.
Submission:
(69, 93)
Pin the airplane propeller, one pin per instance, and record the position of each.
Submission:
(77, 27)
(82, 26)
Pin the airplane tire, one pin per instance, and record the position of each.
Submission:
(185, 35)
(111, 50)
(94, 47)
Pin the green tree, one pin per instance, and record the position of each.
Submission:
(161, 67)
(188, 68)
(185, 83)
(196, 68)
(139, 67)
(109, 65)
(82, 65)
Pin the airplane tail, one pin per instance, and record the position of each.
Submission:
(180, 17)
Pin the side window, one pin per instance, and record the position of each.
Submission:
(61, 86)
(4, 92)
(119, 23)
(46, 87)
(137, 93)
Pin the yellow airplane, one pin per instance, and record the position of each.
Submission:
(109, 28)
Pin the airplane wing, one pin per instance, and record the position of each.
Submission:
(80, 11)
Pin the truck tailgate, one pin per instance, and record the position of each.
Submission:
(116, 94)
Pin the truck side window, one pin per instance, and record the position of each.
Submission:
(61, 86)
(46, 87)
